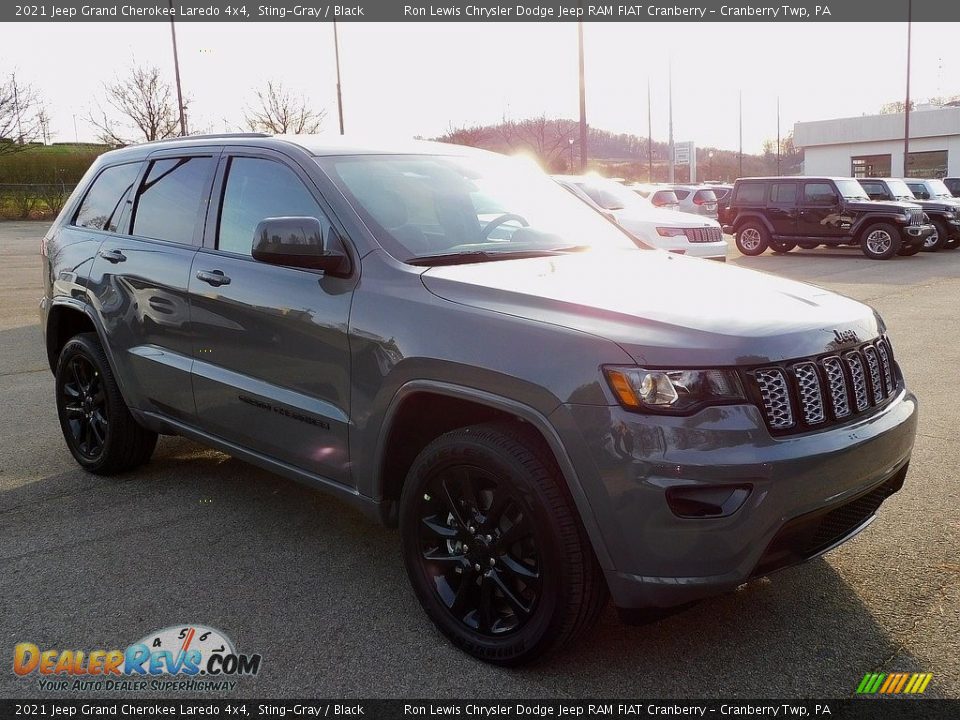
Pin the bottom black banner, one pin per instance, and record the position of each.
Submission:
(885, 709)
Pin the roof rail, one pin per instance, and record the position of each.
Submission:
(212, 136)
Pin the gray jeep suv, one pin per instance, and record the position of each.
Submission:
(447, 340)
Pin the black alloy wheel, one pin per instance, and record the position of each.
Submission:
(84, 404)
(479, 549)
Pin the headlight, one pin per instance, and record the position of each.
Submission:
(670, 232)
(673, 391)
(902, 218)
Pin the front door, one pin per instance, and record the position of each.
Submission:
(139, 280)
(272, 359)
(821, 214)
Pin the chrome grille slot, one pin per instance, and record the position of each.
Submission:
(811, 399)
(886, 363)
(776, 398)
(859, 378)
(837, 385)
(873, 364)
(703, 235)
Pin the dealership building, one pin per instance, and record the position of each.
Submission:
(872, 145)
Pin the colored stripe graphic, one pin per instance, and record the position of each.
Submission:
(894, 683)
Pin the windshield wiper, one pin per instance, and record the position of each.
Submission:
(477, 256)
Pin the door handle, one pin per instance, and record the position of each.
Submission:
(114, 256)
(213, 277)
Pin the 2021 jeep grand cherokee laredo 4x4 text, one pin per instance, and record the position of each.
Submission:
(784, 212)
(549, 413)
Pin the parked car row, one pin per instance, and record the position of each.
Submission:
(881, 216)
(659, 227)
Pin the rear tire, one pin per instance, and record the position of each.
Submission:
(939, 239)
(880, 241)
(493, 545)
(100, 432)
(752, 238)
(782, 246)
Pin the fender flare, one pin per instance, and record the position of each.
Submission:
(760, 217)
(526, 413)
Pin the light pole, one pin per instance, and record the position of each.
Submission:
(176, 71)
(336, 54)
(740, 154)
(673, 156)
(649, 135)
(906, 104)
(710, 165)
(778, 136)
(583, 100)
(571, 141)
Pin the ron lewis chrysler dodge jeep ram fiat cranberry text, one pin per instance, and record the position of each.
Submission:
(448, 340)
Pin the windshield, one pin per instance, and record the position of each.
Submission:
(899, 190)
(467, 209)
(851, 190)
(938, 189)
(610, 195)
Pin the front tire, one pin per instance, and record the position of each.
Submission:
(752, 239)
(808, 245)
(493, 546)
(100, 432)
(940, 237)
(880, 241)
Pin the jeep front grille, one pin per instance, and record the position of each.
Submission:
(812, 393)
(703, 235)
(916, 216)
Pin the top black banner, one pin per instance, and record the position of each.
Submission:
(482, 11)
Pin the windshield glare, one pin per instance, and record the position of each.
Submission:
(851, 190)
(899, 189)
(611, 195)
(938, 189)
(419, 206)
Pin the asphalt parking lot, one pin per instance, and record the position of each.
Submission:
(320, 592)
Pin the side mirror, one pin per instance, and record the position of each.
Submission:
(298, 242)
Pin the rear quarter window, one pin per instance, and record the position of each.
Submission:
(706, 196)
(102, 205)
(169, 199)
(750, 193)
(682, 194)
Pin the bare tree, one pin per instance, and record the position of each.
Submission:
(21, 111)
(470, 135)
(281, 113)
(146, 104)
(547, 138)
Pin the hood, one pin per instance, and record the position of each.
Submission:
(893, 206)
(663, 309)
(939, 205)
(662, 217)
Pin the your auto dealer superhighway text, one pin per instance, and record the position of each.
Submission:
(666, 10)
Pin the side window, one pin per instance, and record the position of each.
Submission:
(873, 190)
(257, 189)
(783, 193)
(750, 193)
(920, 190)
(101, 207)
(167, 206)
(819, 194)
(681, 194)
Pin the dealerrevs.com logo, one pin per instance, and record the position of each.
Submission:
(190, 658)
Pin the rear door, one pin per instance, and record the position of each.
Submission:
(272, 360)
(782, 207)
(820, 214)
(139, 279)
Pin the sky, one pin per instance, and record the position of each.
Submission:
(411, 79)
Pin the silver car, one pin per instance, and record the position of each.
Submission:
(697, 199)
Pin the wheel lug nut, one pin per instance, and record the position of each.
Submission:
(489, 538)
(492, 562)
(426, 496)
(465, 548)
(477, 567)
(472, 529)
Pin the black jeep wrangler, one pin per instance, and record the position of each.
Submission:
(782, 213)
(944, 214)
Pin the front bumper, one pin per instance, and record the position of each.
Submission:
(799, 486)
(917, 234)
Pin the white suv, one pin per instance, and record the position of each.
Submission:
(676, 232)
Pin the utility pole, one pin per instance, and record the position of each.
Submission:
(906, 104)
(649, 135)
(740, 154)
(778, 136)
(672, 176)
(336, 53)
(176, 70)
(583, 101)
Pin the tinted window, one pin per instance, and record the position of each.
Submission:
(705, 196)
(918, 189)
(681, 194)
(168, 202)
(101, 207)
(258, 189)
(953, 184)
(819, 194)
(750, 193)
(783, 193)
(874, 189)
(665, 197)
